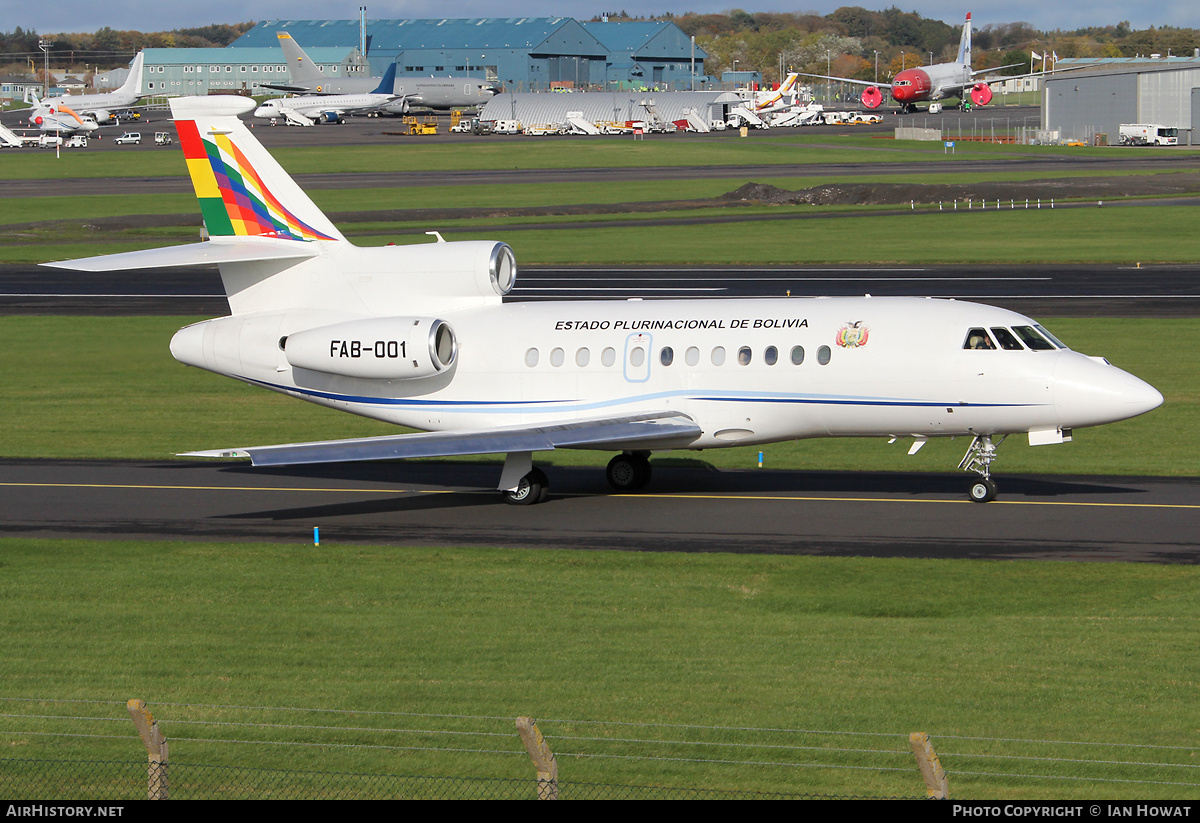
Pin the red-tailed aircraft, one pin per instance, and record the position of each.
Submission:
(929, 83)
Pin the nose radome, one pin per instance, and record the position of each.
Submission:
(1089, 391)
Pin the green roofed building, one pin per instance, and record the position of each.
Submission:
(174, 72)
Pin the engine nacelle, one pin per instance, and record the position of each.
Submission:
(389, 348)
(981, 94)
(872, 97)
(99, 115)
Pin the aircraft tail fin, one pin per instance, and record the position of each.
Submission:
(301, 70)
(964, 44)
(387, 85)
(133, 83)
(242, 189)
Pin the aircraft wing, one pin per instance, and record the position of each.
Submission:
(665, 429)
(288, 88)
(849, 80)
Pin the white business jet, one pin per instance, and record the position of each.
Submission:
(419, 336)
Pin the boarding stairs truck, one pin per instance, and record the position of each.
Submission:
(656, 122)
(579, 123)
(1148, 134)
(10, 139)
(742, 116)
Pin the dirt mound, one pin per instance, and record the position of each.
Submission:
(871, 194)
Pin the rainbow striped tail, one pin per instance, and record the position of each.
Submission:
(242, 189)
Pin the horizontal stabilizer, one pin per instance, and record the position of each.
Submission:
(649, 430)
(193, 254)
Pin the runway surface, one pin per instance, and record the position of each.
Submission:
(1048, 291)
(686, 509)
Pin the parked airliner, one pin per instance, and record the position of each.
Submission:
(420, 336)
(72, 112)
(931, 83)
(431, 92)
(310, 109)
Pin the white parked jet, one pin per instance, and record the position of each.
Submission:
(310, 109)
(420, 336)
(78, 108)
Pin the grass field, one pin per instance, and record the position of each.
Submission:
(654, 669)
(787, 674)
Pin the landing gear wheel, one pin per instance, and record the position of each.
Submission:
(983, 491)
(628, 472)
(533, 488)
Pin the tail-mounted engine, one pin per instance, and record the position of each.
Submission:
(391, 348)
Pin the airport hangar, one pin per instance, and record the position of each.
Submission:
(1103, 94)
(522, 53)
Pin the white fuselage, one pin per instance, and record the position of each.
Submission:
(867, 366)
(313, 107)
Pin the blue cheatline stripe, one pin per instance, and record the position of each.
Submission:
(566, 405)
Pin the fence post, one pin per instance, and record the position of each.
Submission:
(937, 786)
(156, 747)
(543, 758)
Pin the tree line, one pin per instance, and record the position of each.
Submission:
(867, 45)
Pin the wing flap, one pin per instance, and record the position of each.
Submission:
(652, 429)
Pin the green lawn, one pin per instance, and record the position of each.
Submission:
(643, 669)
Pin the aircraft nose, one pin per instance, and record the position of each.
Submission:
(1089, 391)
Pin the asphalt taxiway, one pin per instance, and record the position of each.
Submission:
(688, 508)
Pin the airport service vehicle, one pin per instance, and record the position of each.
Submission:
(420, 336)
(129, 137)
(76, 141)
(1148, 134)
(163, 138)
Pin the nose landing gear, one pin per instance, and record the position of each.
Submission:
(978, 459)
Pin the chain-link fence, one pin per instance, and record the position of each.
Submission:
(90, 780)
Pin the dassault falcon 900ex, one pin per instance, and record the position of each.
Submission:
(420, 336)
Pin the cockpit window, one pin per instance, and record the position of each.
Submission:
(1050, 337)
(978, 339)
(1031, 338)
(1007, 339)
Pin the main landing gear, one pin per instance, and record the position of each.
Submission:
(532, 488)
(629, 471)
(523, 485)
(978, 459)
